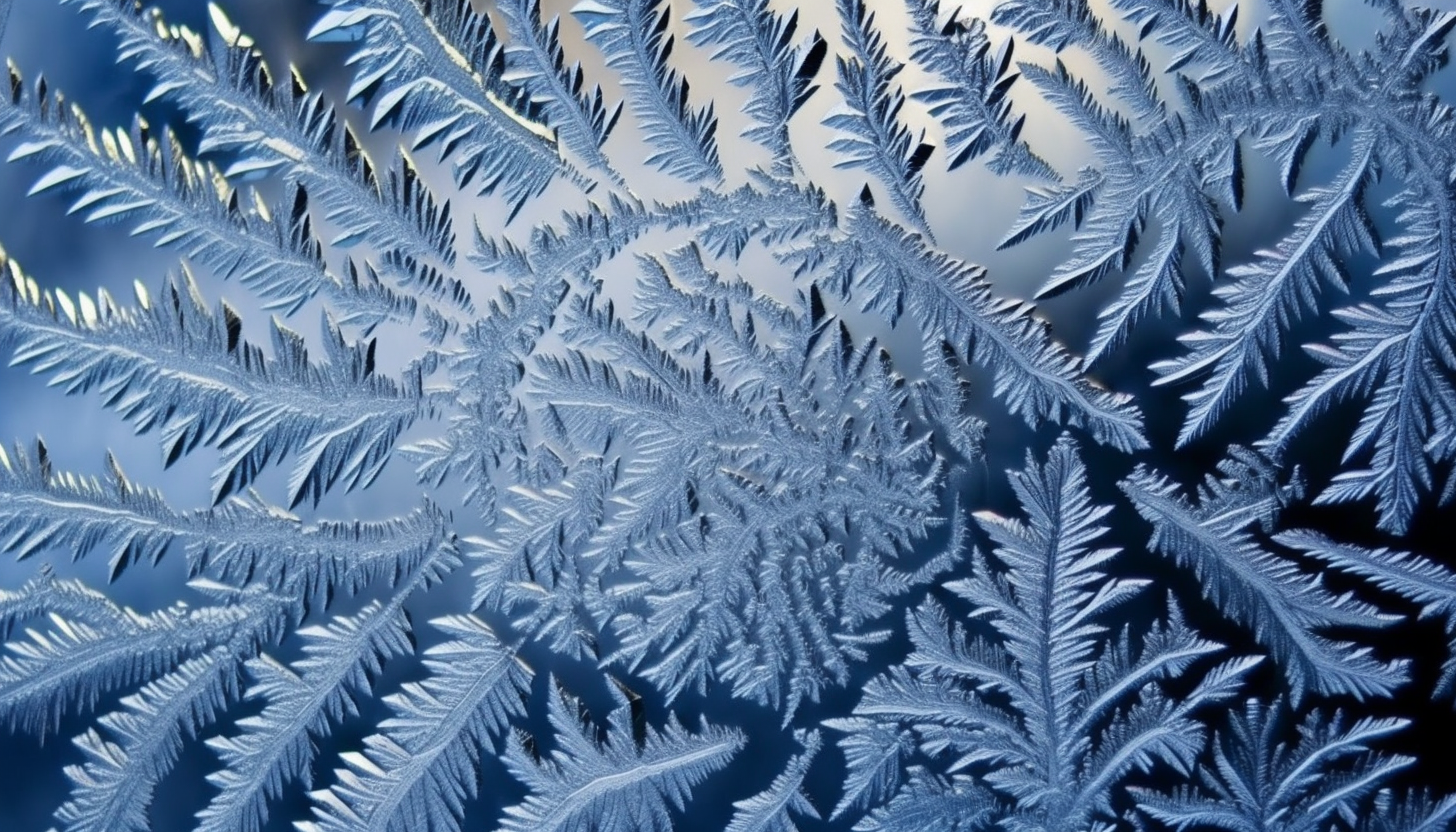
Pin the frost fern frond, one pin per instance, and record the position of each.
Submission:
(1284, 608)
(615, 783)
(778, 72)
(1054, 712)
(435, 73)
(257, 410)
(872, 135)
(421, 767)
(632, 34)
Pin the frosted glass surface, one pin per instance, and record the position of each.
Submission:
(721, 414)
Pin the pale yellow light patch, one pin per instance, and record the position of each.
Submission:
(261, 207)
(284, 148)
(229, 31)
(123, 143)
(68, 308)
(458, 58)
(88, 310)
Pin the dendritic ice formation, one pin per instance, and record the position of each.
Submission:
(701, 507)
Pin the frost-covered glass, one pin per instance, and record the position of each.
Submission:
(626, 416)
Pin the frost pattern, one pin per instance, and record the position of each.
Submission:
(691, 430)
(1041, 720)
